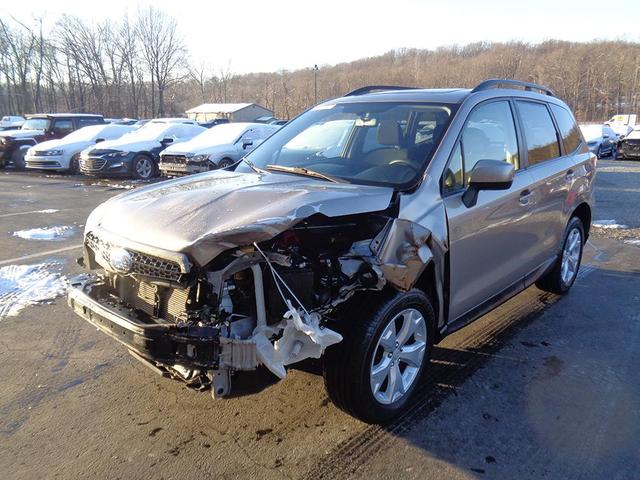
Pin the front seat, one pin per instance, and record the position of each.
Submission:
(389, 135)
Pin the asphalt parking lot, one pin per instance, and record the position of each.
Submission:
(543, 387)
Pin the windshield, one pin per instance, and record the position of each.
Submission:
(86, 134)
(379, 143)
(36, 124)
(151, 132)
(223, 134)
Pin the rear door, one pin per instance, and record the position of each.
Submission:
(489, 242)
(553, 169)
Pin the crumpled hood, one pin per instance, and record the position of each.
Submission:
(19, 133)
(203, 215)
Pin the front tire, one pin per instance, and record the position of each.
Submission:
(143, 167)
(225, 163)
(74, 164)
(373, 373)
(563, 275)
(17, 157)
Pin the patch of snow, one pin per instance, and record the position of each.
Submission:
(608, 224)
(45, 233)
(24, 285)
(48, 210)
(633, 241)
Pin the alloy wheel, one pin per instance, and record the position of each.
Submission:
(398, 356)
(144, 167)
(571, 256)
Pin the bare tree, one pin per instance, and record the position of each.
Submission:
(162, 49)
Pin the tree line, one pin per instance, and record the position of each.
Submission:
(139, 67)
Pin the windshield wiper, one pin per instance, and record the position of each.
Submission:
(302, 171)
(251, 165)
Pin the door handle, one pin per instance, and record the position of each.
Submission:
(525, 197)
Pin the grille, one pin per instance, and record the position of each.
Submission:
(180, 159)
(43, 163)
(40, 153)
(92, 164)
(143, 264)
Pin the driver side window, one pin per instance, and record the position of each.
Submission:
(489, 134)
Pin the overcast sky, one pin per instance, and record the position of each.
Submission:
(262, 35)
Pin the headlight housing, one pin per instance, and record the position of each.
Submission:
(53, 153)
(200, 158)
(117, 154)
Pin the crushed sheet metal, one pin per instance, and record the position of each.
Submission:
(403, 252)
(301, 339)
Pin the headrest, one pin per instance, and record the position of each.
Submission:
(389, 133)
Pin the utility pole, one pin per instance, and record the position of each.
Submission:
(315, 84)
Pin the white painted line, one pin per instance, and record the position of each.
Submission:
(42, 254)
(52, 210)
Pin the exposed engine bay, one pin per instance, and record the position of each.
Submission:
(272, 303)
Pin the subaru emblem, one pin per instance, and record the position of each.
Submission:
(121, 260)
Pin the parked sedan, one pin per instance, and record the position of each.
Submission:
(219, 147)
(135, 154)
(64, 153)
(630, 146)
(602, 140)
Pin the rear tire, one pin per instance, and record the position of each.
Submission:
(565, 270)
(373, 373)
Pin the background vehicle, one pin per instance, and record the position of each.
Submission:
(39, 128)
(622, 124)
(186, 121)
(219, 147)
(366, 229)
(135, 154)
(602, 140)
(64, 153)
(630, 146)
(9, 122)
(213, 123)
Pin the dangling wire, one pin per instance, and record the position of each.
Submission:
(277, 278)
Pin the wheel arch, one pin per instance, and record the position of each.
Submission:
(583, 212)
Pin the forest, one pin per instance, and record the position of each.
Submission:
(139, 67)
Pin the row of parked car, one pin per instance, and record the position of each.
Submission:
(84, 143)
(613, 140)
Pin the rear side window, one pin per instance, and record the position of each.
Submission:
(539, 132)
(569, 130)
(85, 122)
(63, 127)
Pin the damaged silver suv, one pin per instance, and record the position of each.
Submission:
(363, 232)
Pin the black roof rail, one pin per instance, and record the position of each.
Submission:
(528, 86)
(374, 88)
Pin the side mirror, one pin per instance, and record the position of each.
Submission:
(166, 141)
(98, 140)
(247, 143)
(488, 175)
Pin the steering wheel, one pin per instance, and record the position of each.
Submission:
(406, 163)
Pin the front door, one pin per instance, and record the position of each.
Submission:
(489, 243)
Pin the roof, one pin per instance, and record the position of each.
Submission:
(444, 95)
(64, 115)
(221, 107)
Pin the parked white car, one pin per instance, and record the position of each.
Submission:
(64, 153)
(218, 147)
(135, 154)
(601, 139)
(186, 121)
(9, 122)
